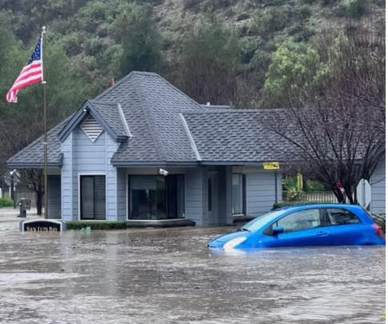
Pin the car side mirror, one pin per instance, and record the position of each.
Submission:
(277, 230)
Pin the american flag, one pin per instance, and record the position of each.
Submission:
(30, 74)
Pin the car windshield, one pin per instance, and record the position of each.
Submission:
(256, 223)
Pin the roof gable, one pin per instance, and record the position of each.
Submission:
(151, 107)
(106, 114)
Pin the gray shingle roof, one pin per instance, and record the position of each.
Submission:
(32, 155)
(109, 111)
(236, 136)
(153, 109)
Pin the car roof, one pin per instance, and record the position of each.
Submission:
(312, 205)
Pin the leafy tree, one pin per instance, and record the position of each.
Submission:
(136, 31)
(209, 63)
(11, 56)
(21, 123)
(295, 68)
(340, 133)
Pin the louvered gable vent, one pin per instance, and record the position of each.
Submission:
(91, 128)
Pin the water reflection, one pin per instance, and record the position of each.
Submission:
(169, 276)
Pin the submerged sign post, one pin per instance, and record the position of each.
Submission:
(42, 225)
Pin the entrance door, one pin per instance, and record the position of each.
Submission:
(212, 197)
(92, 197)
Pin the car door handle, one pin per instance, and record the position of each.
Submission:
(322, 233)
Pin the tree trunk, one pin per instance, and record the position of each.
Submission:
(38, 204)
(39, 200)
(338, 194)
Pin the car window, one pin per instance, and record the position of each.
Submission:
(259, 221)
(300, 220)
(337, 216)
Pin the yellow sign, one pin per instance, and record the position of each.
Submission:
(271, 165)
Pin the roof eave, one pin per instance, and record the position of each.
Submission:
(153, 163)
(33, 165)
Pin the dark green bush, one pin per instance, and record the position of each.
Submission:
(191, 4)
(293, 203)
(4, 202)
(351, 8)
(313, 185)
(269, 20)
(96, 225)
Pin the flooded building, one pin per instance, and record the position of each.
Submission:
(143, 150)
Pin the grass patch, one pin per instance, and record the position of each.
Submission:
(4, 202)
(96, 225)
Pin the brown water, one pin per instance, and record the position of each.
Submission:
(169, 276)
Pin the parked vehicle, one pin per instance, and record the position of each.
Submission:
(305, 225)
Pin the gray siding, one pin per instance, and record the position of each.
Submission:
(196, 200)
(260, 191)
(121, 194)
(67, 179)
(225, 216)
(196, 193)
(81, 157)
(378, 189)
(111, 179)
(54, 196)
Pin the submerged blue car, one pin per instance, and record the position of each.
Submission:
(305, 225)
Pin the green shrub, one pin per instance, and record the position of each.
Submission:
(96, 225)
(191, 4)
(352, 8)
(269, 20)
(313, 185)
(294, 203)
(4, 202)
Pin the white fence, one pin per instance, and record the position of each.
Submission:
(311, 196)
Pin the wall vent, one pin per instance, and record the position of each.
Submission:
(91, 128)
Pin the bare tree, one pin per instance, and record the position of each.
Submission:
(341, 139)
(15, 134)
(34, 178)
(332, 144)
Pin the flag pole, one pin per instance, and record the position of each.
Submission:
(45, 204)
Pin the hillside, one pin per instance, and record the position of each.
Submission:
(94, 34)
(250, 53)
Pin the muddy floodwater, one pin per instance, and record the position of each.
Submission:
(169, 276)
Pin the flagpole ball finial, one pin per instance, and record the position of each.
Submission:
(43, 29)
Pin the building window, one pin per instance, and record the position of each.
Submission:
(92, 197)
(156, 197)
(238, 194)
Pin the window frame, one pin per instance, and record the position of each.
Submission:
(89, 174)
